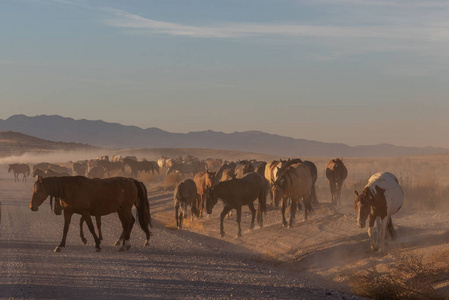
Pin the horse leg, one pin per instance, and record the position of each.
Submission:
(283, 205)
(293, 211)
(90, 225)
(83, 239)
(67, 219)
(181, 216)
(383, 228)
(225, 211)
(127, 220)
(120, 239)
(253, 215)
(239, 219)
(339, 192)
(176, 215)
(98, 221)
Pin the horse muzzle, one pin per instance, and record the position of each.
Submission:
(34, 208)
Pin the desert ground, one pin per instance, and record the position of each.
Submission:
(327, 257)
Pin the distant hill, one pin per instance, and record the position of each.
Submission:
(15, 143)
(114, 135)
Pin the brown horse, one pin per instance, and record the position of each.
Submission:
(139, 166)
(238, 192)
(45, 166)
(242, 168)
(295, 182)
(213, 165)
(203, 181)
(80, 168)
(19, 169)
(96, 197)
(336, 173)
(184, 194)
(96, 172)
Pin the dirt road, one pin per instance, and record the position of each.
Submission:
(192, 263)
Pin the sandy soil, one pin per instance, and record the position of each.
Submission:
(312, 260)
(185, 264)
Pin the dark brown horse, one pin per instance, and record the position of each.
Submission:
(19, 169)
(203, 181)
(184, 194)
(295, 182)
(336, 173)
(139, 166)
(96, 197)
(238, 192)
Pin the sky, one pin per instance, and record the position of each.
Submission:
(359, 72)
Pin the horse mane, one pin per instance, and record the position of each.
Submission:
(58, 186)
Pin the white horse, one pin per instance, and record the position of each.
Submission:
(381, 198)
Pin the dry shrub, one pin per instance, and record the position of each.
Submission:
(407, 278)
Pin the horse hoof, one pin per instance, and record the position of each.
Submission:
(284, 223)
(98, 249)
(147, 243)
(117, 243)
(84, 241)
(290, 225)
(238, 236)
(57, 249)
(222, 234)
(128, 247)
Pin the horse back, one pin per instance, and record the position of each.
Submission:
(302, 180)
(385, 188)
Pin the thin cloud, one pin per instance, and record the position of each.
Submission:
(137, 24)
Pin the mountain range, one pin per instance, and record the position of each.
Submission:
(113, 135)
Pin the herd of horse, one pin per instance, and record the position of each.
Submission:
(82, 189)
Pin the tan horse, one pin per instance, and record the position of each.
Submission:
(336, 173)
(96, 197)
(203, 181)
(270, 177)
(295, 182)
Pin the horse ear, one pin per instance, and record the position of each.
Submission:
(39, 178)
(356, 193)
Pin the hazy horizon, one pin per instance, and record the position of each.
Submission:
(354, 72)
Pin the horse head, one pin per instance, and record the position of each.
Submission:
(362, 206)
(277, 191)
(39, 194)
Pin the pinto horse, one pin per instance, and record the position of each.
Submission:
(381, 198)
(336, 173)
(238, 192)
(19, 169)
(96, 197)
(295, 182)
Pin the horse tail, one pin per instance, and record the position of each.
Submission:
(143, 206)
(391, 230)
(313, 196)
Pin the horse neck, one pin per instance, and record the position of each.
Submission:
(55, 186)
